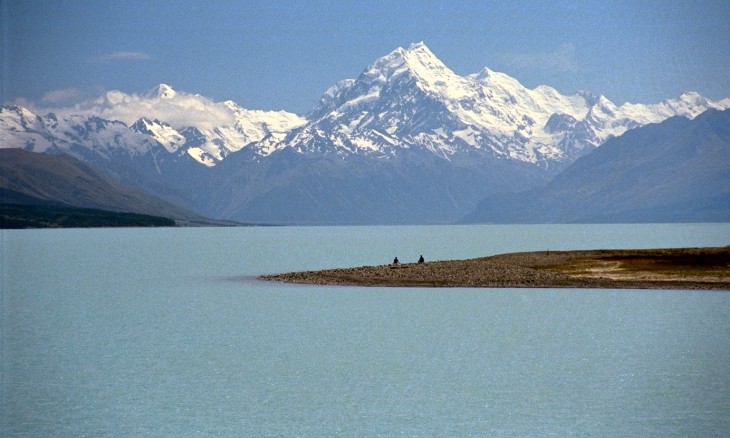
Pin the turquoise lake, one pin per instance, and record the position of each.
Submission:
(167, 332)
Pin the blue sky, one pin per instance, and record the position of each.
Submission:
(284, 54)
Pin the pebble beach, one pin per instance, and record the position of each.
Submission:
(667, 268)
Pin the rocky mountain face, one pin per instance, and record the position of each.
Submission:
(408, 141)
(674, 171)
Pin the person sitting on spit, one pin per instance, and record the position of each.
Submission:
(395, 261)
(420, 259)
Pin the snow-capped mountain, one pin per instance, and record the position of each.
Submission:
(162, 132)
(230, 129)
(184, 123)
(20, 128)
(407, 141)
(409, 99)
(161, 91)
(674, 171)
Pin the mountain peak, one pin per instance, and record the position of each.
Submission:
(418, 55)
(161, 91)
(493, 78)
(417, 59)
(691, 96)
(418, 47)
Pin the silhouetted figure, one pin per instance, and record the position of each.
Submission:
(420, 259)
(395, 261)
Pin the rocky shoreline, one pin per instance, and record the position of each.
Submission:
(669, 268)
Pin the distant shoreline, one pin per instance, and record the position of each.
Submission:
(671, 268)
(33, 216)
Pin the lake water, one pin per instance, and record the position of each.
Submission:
(166, 332)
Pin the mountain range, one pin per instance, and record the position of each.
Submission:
(674, 171)
(407, 141)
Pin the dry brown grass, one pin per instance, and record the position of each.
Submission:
(712, 265)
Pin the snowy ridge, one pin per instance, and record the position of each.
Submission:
(22, 129)
(181, 123)
(410, 99)
(405, 100)
(170, 139)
